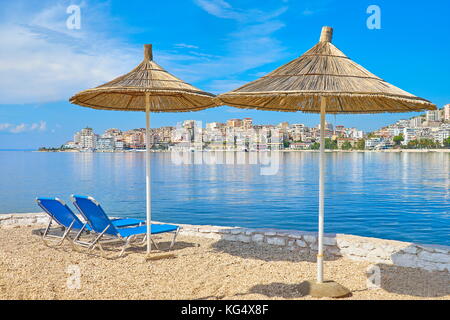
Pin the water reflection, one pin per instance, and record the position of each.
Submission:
(389, 195)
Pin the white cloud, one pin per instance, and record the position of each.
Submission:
(23, 127)
(250, 45)
(43, 61)
(4, 126)
(222, 9)
(184, 45)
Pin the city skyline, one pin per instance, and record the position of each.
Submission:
(430, 129)
(241, 42)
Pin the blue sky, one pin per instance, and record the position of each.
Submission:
(216, 45)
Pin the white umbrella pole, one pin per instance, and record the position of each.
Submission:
(148, 173)
(321, 192)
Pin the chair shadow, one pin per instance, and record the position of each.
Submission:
(114, 247)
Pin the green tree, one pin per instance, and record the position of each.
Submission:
(361, 144)
(346, 146)
(446, 142)
(330, 144)
(422, 144)
(315, 146)
(398, 139)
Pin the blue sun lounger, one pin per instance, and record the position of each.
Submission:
(64, 216)
(107, 232)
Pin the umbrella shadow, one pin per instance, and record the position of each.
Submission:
(278, 289)
(268, 252)
(409, 281)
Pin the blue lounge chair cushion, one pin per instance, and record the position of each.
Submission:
(156, 228)
(63, 215)
(126, 222)
(100, 222)
(60, 212)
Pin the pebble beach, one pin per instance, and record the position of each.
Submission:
(199, 268)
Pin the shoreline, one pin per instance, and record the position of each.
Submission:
(313, 151)
(212, 263)
(428, 257)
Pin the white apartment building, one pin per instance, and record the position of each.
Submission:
(433, 115)
(70, 145)
(86, 138)
(372, 143)
(213, 125)
(119, 145)
(247, 123)
(354, 133)
(105, 144)
(409, 134)
(395, 131)
(415, 122)
(442, 134)
(447, 112)
(402, 123)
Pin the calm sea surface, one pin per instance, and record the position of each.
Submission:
(395, 196)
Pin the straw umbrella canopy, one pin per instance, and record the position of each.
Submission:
(149, 88)
(323, 80)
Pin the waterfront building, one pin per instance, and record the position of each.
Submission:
(373, 143)
(409, 134)
(433, 116)
(113, 132)
(339, 131)
(431, 124)
(105, 144)
(395, 131)
(354, 133)
(283, 125)
(86, 139)
(163, 135)
(402, 123)
(247, 123)
(189, 124)
(442, 135)
(328, 126)
(300, 145)
(119, 145)
(341, 141)
(234, 123)
(416, 122)
(70, 145)
(214, 125)
(134, 139)
(447, 112)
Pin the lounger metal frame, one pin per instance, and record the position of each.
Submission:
(46, 236)
(103, 238)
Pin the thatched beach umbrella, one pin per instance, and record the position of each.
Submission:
(149, 88)
(323, 80)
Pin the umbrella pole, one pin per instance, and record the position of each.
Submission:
(320, 288)
(321, 191)
(148, 173)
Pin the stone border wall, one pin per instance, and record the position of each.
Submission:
(404, 254)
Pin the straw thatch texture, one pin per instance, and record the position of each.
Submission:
(324, 71)
(167, 92)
